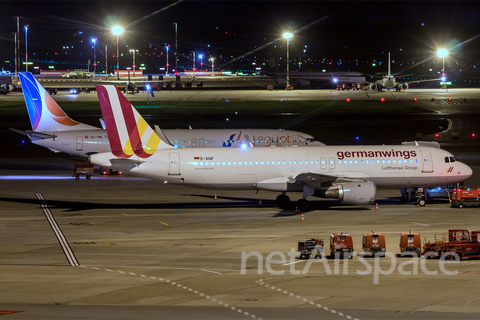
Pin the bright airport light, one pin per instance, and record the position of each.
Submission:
(117, 30)
(442, 53)
(287, 35)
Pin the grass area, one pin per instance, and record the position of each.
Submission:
(250, 107)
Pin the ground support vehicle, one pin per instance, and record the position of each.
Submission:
(410, 242)
(77, 73)
(85, 169)
(462, 197)
(341, 245)
(458, 242)
(309, 247)
(373, 243)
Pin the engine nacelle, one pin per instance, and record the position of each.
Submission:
(373, 86)
(358, 193)
(405, 86)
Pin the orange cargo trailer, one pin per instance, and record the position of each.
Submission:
(341, 245)
(374, 242)
(410, 242)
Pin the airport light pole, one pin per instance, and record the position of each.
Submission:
(442, 53)
(213, 65)
(166, 67)
(106, 60)
(26, 48)
(193, 67)
(134, 52)
(117, 30)
(94, 40)
(176, 47)
(200, 56)
(288, 36)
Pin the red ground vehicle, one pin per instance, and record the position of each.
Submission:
(341, 244)
(373, 243)
(410, 242)
(461, 242)
(461, 198)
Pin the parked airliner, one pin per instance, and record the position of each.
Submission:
(348, 173)
(53, 129)
(388, 81)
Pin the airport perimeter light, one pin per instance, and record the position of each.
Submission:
(442, 53)
(288, 36)
(117, 30)
(134, 53)
(94, 41)
(26, 49)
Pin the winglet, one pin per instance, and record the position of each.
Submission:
(128, 133)
(45, 114)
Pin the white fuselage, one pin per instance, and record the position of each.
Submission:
(276, 168)
(86, 142)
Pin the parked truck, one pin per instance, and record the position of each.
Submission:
(373, 243)
(410, 242)
(459, 242)
(465, 197)
(341, 245)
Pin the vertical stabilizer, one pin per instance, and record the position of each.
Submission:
(129, 134)
(45, 114)
(389, 74)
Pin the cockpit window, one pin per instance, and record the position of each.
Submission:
(452, 159)
(447, 160)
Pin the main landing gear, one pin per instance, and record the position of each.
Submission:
(284, 201)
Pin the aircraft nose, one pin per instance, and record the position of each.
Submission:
(467, 171)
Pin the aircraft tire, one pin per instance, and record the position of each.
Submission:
(283, 200)
(303, 205)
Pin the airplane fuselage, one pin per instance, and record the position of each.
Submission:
(276, 169)
(86, 142)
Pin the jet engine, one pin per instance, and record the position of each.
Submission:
(373, 86)
(353, 192)
(405, 86)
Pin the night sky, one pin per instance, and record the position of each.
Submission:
(363, 30)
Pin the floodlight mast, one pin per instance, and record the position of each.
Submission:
(288, 36)
(442, 53)
(117, 30)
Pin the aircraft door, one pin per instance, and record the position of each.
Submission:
(323, 163)
(427, 162)
(174, 163)
(194, 142)
(294, 140)
(202, 142)
(79, 143)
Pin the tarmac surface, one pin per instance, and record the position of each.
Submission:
(147, 250)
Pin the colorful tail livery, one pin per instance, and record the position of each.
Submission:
(128, 132)
(44, 112)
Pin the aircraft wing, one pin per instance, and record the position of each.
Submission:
(322, 181)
